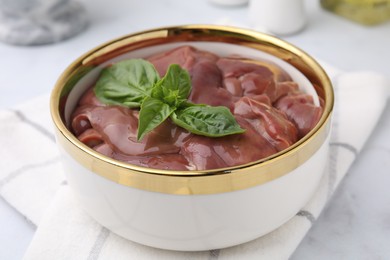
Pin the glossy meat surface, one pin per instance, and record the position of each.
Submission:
(263, 99)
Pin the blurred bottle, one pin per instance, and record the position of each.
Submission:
(367, 12)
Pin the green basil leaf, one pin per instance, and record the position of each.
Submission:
(153, 112)
(126, 83)
(174, 87)
(136, 83)
(207, 120)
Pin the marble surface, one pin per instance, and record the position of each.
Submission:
(356, 222)
(39, 22)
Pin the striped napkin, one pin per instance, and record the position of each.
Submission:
(32, 181)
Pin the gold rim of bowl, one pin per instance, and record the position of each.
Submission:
(207, 181)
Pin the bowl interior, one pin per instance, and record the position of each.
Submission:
(219, 48)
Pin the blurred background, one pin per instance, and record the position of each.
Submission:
(348, 44)
(332, 38)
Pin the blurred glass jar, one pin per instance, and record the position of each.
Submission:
(367, 12)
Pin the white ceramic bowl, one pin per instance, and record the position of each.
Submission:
(193, 210)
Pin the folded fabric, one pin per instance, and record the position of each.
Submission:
(32, 182)
(30, 167)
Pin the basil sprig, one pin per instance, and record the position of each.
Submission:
(136, 83)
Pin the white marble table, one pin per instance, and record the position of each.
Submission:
(356, 222)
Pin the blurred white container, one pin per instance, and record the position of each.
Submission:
(229, 2)
(279, 17)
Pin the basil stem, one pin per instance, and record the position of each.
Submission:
(174, 87)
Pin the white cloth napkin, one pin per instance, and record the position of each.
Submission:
(32, 181)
